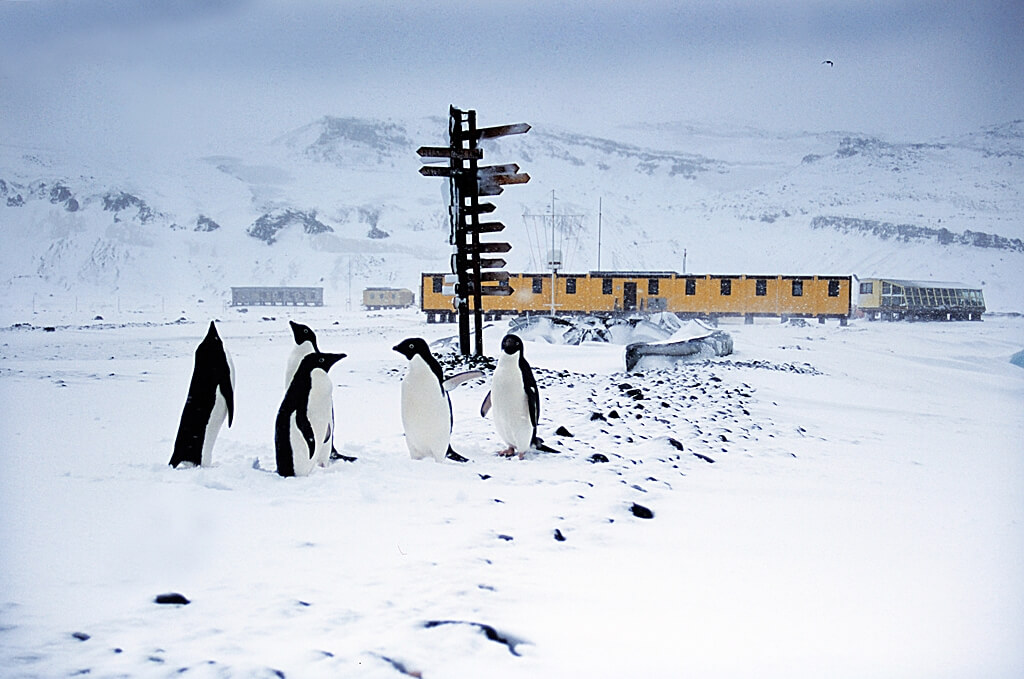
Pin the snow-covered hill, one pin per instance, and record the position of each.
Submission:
(339, 203)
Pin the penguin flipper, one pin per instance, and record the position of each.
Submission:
(455, 457)
(485, 407)
(229, 395)
(461, 378)
(306, 429)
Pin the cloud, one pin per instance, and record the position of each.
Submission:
(231, 68)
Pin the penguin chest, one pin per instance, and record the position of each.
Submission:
(218, 414)
(511, 407)
(426, 413)
(319, 412)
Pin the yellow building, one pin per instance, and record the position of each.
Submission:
(608, 292)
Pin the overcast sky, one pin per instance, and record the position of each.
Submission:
(223, 71)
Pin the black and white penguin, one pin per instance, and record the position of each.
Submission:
(304, 430)
(426, 406)
(305, 344)
(515, 399)
(211, 398)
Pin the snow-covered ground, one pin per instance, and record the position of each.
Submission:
(827, 502)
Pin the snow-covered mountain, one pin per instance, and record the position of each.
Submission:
(339, 203)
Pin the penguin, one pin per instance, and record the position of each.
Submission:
(515, 399)
(211, 398)
(304, 429)
(426, 406)
(305, 343)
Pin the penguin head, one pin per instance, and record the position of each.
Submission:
(320, 361)
(413, 346)
(211, 334)
(511, 345)
(303, 333)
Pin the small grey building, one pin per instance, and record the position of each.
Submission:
(277, 296)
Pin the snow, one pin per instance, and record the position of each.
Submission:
(843, 501)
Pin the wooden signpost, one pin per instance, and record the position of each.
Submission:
(468, 182)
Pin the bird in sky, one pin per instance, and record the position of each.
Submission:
(829, 62)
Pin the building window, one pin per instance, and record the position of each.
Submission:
(606, 286)
(438, 283)
(726, 287)
(833, 288)
(538, 285)
(570, 286)
(652, 286)
(691, 286)
(798, 288)
(867, 288)
(761, 287)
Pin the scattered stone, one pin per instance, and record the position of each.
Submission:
(558, 536)
(491, 633)
(562, 431)
(81, 636)
(400, 667)
(171, 598)
(506, 538)
(641, 512)
(598, 457)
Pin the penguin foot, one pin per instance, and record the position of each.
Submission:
(508, 452)
(335, 455)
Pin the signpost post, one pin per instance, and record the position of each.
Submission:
(468, 181)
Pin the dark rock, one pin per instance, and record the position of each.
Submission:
(598, 457)
(491, 633)
(562, 431)
(171, 598)
(558, 536)
(204, 223)
(641, 512)
(81, 636)
(268, 225)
